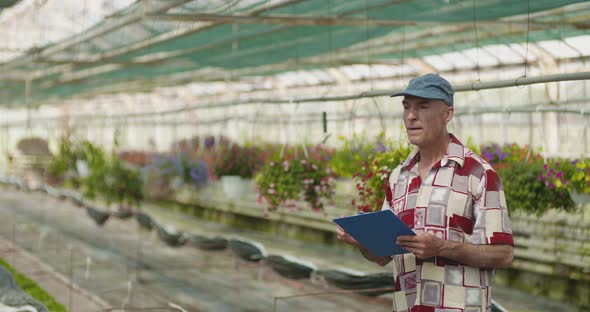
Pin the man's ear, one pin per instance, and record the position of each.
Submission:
(449, 114)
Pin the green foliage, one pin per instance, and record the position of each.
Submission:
(371, 180)
(472, 146)
(350, 158)
(30, 287)
(238, 160)
(64, 159)
(284, 182)
(317, 152)
(580, 177)
(123, 184)
(63, 164)
(526, 191)
(107, 176)
(94, 183)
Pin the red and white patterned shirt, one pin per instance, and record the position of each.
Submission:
(462, 200)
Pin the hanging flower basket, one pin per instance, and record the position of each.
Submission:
(284, 183)
(235, 165)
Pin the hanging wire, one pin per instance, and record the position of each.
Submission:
(585, 134)
(367, 50)
(381, 119)
(351, 118)
(331, 63)
(476, 37)
(543, 144)
(530, 115)
(403, 52)
(283, 131)
(528, 24)
(296, 133)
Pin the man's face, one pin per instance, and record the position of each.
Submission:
(425, 119)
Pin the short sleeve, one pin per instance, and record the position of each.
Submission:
(492, 225)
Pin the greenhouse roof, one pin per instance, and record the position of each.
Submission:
(140, 45)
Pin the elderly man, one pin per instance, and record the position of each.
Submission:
(454, 202)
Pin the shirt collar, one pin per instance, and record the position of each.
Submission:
(455, 152)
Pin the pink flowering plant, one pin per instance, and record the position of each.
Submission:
(567, 176)
(534, 187)
(285, 182)
(373, 177)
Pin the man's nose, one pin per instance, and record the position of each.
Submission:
(411, 113)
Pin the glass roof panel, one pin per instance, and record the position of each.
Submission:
(558, 49)
(580, 43)
(439, 63)
(459, 60)
(504, 53)
(484, 58)
(522, 51)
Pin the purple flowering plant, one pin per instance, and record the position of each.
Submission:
(165, 167)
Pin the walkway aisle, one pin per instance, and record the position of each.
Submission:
(103, 261)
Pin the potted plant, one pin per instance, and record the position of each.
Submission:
(532, 186)
(285, 182)
(373, 177)
(62, 166)
(351, 157)
(235, 165)
(156, 176)
(169, 173)
(123, 184)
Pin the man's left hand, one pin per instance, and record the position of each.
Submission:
(422, 245)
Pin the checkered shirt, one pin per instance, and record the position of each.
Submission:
(462, 200)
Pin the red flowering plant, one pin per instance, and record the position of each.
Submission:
(372, 180)
(285, 182)
(136, 158)
(237, 160)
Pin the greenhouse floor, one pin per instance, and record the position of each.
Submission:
(104, 260)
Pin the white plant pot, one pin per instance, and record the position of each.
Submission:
(580, 198)
(235, 187)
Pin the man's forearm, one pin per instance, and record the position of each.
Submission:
(481, 256)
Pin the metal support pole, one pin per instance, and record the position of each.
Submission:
(370, 94)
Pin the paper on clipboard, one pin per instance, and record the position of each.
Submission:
(376, 231)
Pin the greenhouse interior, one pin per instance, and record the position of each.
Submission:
(246, 155)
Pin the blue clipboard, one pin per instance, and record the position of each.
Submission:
(376, 231)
